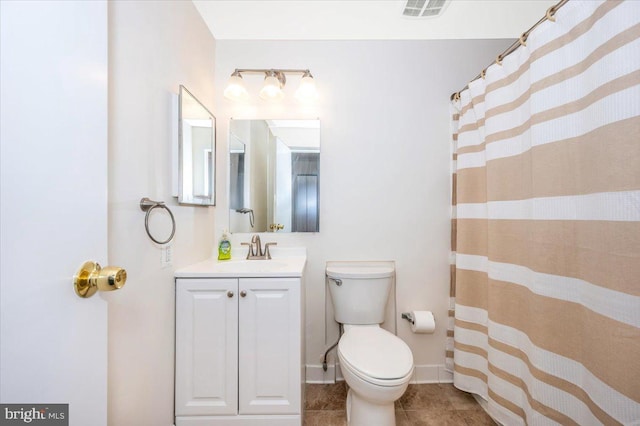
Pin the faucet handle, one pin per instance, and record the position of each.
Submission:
(250, 253)
(266, 249)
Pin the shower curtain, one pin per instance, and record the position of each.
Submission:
(545, 282)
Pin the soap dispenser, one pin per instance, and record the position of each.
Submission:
(224, 247)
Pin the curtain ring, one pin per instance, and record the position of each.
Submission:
(483, 73)
(147, 205)
(550, 12)
(456, 96)
(499, 60)
(523, 39)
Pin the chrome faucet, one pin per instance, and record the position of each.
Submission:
(256, 246)
(255, 249)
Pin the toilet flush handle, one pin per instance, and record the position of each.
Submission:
(337, 281)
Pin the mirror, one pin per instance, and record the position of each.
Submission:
(274, 175)
(197, 152)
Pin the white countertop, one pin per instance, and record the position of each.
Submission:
(285, 262)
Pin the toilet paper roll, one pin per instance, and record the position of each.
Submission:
(423, 322)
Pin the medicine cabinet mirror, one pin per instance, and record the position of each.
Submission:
(274, 175)
(197, 152)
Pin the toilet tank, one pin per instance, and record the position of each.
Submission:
(359, 291)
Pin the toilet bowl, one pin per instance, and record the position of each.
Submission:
(377, 366)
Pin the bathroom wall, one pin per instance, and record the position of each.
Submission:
(153, 47)
(384, 165)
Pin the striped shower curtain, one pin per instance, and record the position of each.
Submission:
(546, 231)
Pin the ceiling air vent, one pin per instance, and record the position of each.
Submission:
(424, 8)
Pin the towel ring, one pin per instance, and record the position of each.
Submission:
(147, 205)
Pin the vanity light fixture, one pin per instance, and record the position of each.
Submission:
(274, 82)
(236, 89)
(307, 89)
(272, 87)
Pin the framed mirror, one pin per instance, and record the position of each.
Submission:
(274, 175)
(196, 152)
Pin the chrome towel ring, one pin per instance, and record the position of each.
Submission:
(147, 205)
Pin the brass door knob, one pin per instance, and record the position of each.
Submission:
(91, 277)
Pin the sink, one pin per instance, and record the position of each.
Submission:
(287, 262)
(243, 266)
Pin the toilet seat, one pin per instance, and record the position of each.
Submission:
(376, 356)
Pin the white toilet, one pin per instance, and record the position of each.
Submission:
(376, 364)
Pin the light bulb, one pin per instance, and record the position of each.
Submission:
(271, 89)
(307, 90)
(236, 91)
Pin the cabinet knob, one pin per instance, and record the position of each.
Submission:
(229, 294)
(243, 293)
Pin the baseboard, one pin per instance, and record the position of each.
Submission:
(431, 374)
(316, 375)
(241, 420)
(421, 374)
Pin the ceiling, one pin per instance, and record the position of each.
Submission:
(366, 19)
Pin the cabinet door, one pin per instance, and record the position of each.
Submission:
(206, 346)
(270, 346)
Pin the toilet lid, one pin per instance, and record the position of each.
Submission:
(376, 353)
(359, 271)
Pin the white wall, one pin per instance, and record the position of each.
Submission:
(153, 48)
(384, 163)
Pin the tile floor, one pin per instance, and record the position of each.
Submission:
(431, 404)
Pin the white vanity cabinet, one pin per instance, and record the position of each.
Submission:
(239, 351)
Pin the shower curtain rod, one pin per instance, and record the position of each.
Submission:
(522, 41)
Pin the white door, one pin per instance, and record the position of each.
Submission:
(283, 195)
(53, 344)
(269, 367)
(206, 347)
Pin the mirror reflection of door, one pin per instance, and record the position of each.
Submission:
(236, 184)
(208, 169)
(274, 175)
(305, 171)
(200, 161)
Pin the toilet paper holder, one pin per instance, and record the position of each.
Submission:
(409, 317)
